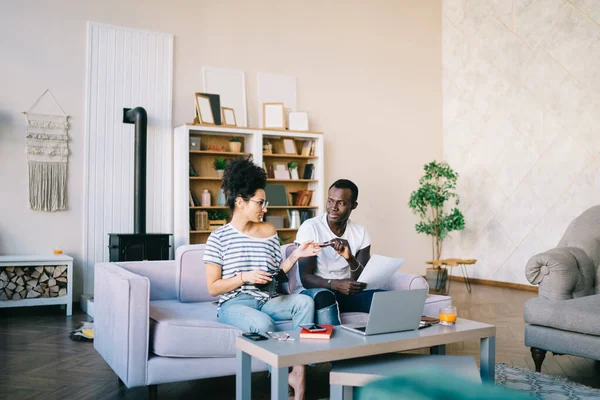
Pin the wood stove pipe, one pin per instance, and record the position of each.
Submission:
(139, 117)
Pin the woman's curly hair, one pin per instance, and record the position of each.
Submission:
(242, 178)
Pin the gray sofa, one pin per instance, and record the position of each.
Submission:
(564, 318)
(155, 321)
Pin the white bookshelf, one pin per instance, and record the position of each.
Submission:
(252, 146)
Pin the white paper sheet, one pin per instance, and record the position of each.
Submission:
(378, 270)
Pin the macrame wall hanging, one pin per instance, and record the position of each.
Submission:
(47, 152)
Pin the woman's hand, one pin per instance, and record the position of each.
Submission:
(257, 277)
(307, 249)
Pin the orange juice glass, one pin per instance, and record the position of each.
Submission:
(448, 316)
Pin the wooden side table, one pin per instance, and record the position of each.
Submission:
(455, 262)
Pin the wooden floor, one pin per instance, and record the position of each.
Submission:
(39, 361)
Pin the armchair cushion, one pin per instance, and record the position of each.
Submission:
(566, 272)
(575, 315)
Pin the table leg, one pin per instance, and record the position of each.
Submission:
(243, 376)
(487, 359)
(340, 392)
(279, 383)
(463, 268)
(438, 350)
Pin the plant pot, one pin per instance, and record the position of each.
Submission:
(220, 173)
(235, 147)
(437, 278)
(294, 173)
(267, 148)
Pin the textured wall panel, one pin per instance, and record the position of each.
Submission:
(521, 107)
(126, 68)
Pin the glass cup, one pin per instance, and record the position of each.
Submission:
(448, 315)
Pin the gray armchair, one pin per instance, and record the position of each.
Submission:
(565, 317)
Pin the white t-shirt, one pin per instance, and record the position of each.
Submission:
(330, 265)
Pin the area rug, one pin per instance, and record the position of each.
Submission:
(542, 386)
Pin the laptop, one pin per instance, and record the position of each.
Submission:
(392, 312)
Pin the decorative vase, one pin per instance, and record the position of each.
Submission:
(201, 220)
(235, 147)
(294, 219)
(205, 198)
(267, 148)
(220, 173)
(437, 278)
(221, 200)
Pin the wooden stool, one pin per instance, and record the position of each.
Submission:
(455, 262)
(346, 375)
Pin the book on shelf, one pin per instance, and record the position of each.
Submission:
(304, 215)
(192, 171)
(309, 171)
(193, 199)
(302, 197)
(326, 334)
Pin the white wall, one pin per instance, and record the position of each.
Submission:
(380, 57)
(521, 107)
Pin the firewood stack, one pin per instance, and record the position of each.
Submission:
(17, 283)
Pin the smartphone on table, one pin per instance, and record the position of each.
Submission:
(254, 336)
(313, 327)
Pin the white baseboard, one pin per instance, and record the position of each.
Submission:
(87, 304)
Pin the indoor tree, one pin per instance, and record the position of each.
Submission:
(437, 186)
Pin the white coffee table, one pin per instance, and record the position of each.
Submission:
(346, 345)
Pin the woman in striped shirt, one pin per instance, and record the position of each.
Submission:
(245, 254)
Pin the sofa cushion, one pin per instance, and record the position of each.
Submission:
(191, 274)
(575, 315)
(192, 329)
(189, 330)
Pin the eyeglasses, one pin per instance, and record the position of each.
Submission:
(263, 204)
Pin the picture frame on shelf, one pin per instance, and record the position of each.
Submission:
(298, 121)
(306, 148)
(273, 116)
(203, 109)
(280, 170)
(289, 146)
(228, 116)
(277, 194)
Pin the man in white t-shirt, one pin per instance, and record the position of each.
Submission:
(331, 277)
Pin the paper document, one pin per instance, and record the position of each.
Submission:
(378, 270)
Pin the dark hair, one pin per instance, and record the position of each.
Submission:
(346, 184)
(242, 178)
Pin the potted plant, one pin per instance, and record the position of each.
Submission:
(267, 147)
(293, 167)
(437, 186)
(219, 164)
(217, 218)
(235, 144)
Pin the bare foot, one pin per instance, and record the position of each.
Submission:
(297, 380)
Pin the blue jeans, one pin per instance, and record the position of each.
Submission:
(360, 302)
(259, 316)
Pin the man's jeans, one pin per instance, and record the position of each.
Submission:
(259, 316)
(360, 302)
